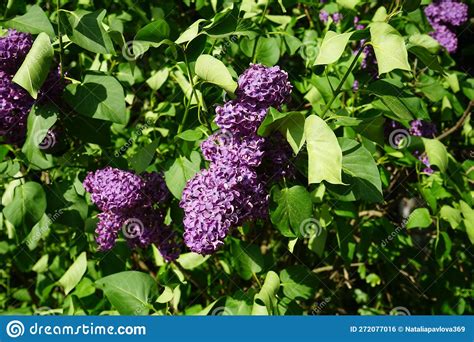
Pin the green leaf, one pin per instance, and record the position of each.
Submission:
(425, 41)
(223, 23)
(28, 205)
(360, 172)
(267, 51)
(239, 304)
(265, 302)
(468, 219)
(39, 231)
(99, 97)
(74, 274)
(394, 98)
(298, 282)
(191, 260)
(451, 215)
(428, 59)
(190, 33)
(35, 68)
(86, 30)
(380, 14)
(40, 120)
(34, 21)
(156, 81)
(247, 257)
(151, 35)
(140, 161)
(129, 292)
(290, 124)
(212, 70)
(332, 47)
(180, 172)
(419, 218)
(324, 152)
(437, 153)
(411, 5)
(190, 135)
(294, 210)
(389, 47)
(348, 3)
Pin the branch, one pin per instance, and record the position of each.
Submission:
(459, 123)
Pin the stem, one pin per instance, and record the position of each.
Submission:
(459, 123)
(339, 86)
(193, 94)
(264, 12)
(257, 280)
(61, 47)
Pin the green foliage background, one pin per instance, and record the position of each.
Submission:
(360, 230)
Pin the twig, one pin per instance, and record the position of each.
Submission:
(459, 123)
(371, 213)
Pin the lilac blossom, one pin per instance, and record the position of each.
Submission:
(264, 86)
(232, 190)
(13, 49)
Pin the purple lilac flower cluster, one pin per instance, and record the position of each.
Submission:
(418, 128)
(129, 204)
(15, 102)
(421, 128)
(324, 17)
(232, 190)
(444, 16)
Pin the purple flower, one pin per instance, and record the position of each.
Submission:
(264, 86)
(113, 189)
(155, 189)
(445, 37)
(355, 86)
(240, 117)
(277, 159)
(447, 12)
(130, 204)
(15, 104)
(232, 190)
(225, 149)
(108, 229)
(324, 16)
(357, 25)
(337, 17)
(13, 49)
(216, 200)
(422, 128)
(423, 157)
(444, 15)
(52, 87)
